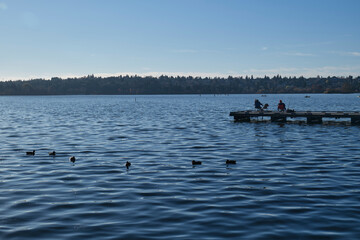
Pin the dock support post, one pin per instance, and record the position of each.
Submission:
(355, 120)
(313, 119)
(278, 119)
(241, 118)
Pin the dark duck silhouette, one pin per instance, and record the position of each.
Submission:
(72, 159)
(30, 153)
(53, 153)
(196, 162)
(230, 162)
(127, 164)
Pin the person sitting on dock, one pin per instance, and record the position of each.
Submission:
(281, 106)
(258, 104)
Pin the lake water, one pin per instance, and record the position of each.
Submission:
(291, 181)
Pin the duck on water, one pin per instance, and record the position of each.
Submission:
(31, 153)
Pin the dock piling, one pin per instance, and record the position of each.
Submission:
(276, 118)
(355, 120)
(314, 120)
(242, 118)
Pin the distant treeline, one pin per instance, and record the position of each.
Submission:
(91, 85)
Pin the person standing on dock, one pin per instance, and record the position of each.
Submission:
(281, 106)
(258, 104)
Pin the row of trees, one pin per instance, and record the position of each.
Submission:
(180, 85)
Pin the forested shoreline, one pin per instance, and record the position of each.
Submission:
(127, 85)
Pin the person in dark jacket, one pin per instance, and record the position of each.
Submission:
(281, 106)
(258, 104)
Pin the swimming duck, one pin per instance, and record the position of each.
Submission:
(30, 153)
(196, 162)
(72, 159)
(53, 153)
(230, 161)
(127, 164)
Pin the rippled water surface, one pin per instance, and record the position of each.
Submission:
(291, 181)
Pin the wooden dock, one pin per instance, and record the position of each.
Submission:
(311, 117)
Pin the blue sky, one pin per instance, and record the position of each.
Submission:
(43, 38)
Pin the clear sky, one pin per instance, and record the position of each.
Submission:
(48, 38)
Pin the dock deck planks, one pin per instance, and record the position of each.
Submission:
(311, 116)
